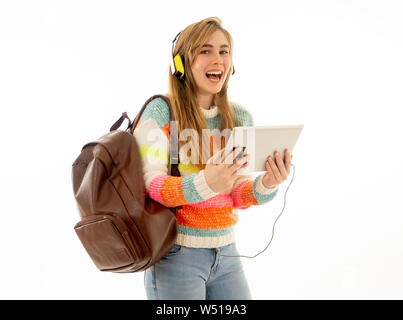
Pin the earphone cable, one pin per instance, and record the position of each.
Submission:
(272, 232)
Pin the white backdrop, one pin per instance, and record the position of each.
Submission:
(69, 68)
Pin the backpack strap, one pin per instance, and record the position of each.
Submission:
(173, 141)
(136, 120)
(119, 122)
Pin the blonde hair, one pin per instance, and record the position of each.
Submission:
(183, 95)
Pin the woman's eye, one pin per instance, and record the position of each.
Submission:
(206, 51)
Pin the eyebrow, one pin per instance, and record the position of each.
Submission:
(211, 46)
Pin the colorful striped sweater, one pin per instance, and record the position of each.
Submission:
(206, 219)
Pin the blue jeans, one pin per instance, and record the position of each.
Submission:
(197, 274)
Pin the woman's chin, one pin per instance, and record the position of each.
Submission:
(213, 89)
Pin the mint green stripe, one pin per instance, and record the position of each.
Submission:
(158, 110)
(262, 198)
(189, 189)
(214, 123)
(242, 116)
(204, 232)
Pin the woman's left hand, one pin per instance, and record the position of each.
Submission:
(276, 174)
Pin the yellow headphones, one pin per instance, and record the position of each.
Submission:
(178, 63)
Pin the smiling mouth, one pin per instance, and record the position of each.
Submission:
(214, 76)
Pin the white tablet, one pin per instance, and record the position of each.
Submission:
(262, 141)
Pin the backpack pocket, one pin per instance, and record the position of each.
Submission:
(107, 240)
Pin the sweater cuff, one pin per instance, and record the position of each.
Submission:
(260, 188)
(202, 187)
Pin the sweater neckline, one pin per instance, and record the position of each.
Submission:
(210, 113)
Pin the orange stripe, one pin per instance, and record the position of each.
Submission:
(166, 130)
(206, 218)
(171, 191)
(247, 194)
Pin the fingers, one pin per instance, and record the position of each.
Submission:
(216, 158)
(280, 165)
(241, 163)
(279, 169)
(287, 160)
(269, 169)
(274, 169)
(230, 158)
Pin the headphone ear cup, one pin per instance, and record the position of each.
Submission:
(183, 67)
(179, 63)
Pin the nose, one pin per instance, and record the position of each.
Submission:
(217, 58)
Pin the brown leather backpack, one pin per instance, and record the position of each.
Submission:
(121, 229)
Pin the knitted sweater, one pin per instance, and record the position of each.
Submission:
(207, 218)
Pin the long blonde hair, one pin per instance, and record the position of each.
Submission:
(183, 96)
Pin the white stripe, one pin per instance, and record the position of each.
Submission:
(205, 242)
(202, 187)
(260, 188)
(149, 133)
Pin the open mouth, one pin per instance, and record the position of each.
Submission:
(214, 76)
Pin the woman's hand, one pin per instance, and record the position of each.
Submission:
(276, 174)
(220, 175)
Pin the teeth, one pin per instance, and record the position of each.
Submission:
(216, 73)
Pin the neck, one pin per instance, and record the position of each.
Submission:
(205, 101)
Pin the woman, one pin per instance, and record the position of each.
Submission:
(209, 192)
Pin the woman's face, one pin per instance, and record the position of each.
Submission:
(212, 57)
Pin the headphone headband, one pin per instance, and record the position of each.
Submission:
(174, 42)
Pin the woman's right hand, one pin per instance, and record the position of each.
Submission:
(221, 174)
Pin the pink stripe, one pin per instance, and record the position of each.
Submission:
(154, 190)
(218, 201)
(237, 195)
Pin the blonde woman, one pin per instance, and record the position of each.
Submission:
(209, 190)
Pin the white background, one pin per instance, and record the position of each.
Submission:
(68, 69)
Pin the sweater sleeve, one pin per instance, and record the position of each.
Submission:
(152, 136)
(247, 190)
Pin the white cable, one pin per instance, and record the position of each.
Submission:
(272, 233)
